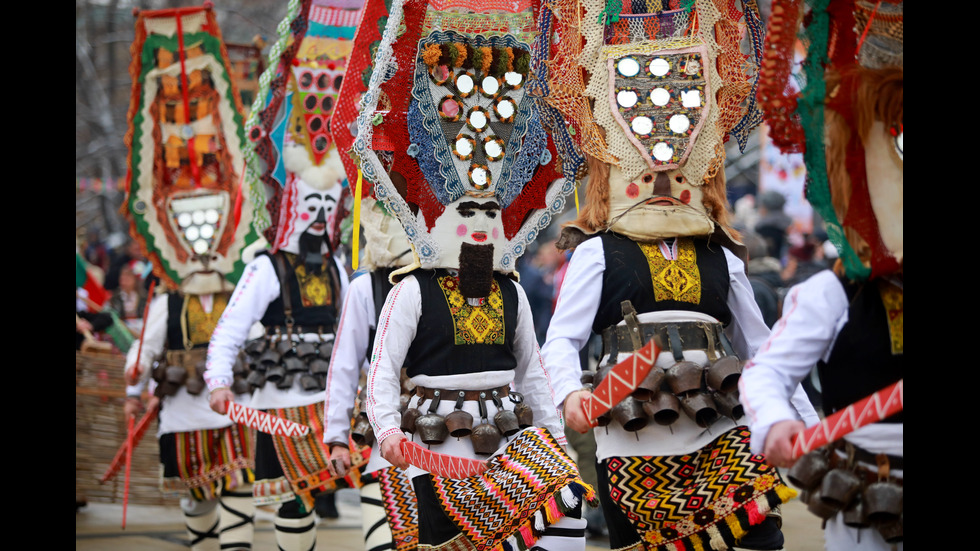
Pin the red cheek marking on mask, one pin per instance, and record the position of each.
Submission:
(305, 216)
(632, 191)
(496, 233)
(461, 230)
(686, 196)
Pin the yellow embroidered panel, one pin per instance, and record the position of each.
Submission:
(314, 290)
(892, 298)
(200, 324)
(482, 324)
(679, 279)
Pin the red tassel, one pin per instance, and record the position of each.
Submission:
(755, 516)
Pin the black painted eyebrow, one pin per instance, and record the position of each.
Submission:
(470, 205)
(313, 195)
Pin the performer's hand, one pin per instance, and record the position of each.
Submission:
(574, 414)
(153, 403)
(219, 399)
(339, 460)
(779, 443)
(132, 407)
(391, 450)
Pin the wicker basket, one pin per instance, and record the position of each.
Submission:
(100, 429)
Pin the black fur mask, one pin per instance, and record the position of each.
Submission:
(475, 270)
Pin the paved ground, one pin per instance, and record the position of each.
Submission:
(98, 527)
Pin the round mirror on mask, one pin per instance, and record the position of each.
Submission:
(627, 98)
(465, 84)
(659, 67)
(660, 96)
(628, 67)
(642, 125)
(504, 108)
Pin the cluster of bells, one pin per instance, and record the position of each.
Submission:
(831, 485)
(703, 394)
(171, 376)
(279, 359)
(433, 428)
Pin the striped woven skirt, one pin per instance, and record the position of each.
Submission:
(205, 462)
(289, 467)
(708, 499)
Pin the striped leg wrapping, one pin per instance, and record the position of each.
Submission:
(202, 526)
(296, 534)
(374, 520)
(237, 519)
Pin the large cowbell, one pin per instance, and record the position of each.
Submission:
(659, 100)
(476, 127)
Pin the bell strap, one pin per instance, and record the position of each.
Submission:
(468, 395)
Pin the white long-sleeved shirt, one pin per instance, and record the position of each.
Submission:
(182, 412)
(571, 327)
(814, 312)
(256, 290)
(397, 329)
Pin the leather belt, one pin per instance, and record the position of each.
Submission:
(468, 395)
(674, 336)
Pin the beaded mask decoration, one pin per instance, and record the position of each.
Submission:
(654, 89)
(294, 158)
(186, 140)
(473, 154)
(847, 120)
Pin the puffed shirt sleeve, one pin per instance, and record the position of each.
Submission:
(350, 350)
(153, 344)
(257, 288)
(396, 331)
(571, 324)
(813, 313)
(530, 377)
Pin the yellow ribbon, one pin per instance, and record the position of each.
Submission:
(357, 219)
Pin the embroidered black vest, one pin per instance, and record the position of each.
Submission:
(454, 337)
(198, 324)
(697, 281)
(868, 354)
(314, 298)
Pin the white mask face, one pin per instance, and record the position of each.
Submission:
(306, 209)
(886, 185)
(476, 221)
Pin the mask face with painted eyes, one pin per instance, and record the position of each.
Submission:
(474, 221)
(886, 185)
(656, 205)
(308, 211)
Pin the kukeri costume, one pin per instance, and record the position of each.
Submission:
(653, 91)
(473, 165)
(295, 290)
(847, 322)
(186, 137)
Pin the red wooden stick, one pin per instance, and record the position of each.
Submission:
(129, 464)
(119, 459)
(880, 405)
(440, 464)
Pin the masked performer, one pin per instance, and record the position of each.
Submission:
(296, 289)
(473, 164)
(847, 322)
(653, 92)
(186, 138)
